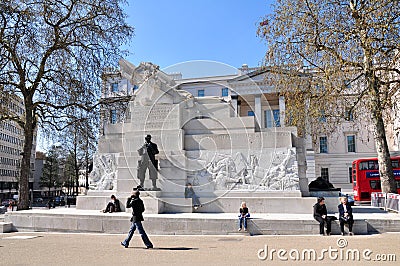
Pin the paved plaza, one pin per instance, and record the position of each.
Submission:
(35, 248)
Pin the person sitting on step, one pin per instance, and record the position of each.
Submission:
(243, 216)
(321, 215)
(345, 215)
(113, 205)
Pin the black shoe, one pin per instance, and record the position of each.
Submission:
(125, 246)
(149, 247)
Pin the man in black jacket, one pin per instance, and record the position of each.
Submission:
(148, 160)
(321, 215)
(137, 206)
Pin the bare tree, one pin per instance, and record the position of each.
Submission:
(332, 58)
(79, 140)
(51, 171)
(52, 54)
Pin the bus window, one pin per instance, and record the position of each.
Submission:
(398, 184)
(372, 165)
(375, 184)
(364, 166)
(395, 164)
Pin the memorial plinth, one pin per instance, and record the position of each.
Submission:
(201, 141)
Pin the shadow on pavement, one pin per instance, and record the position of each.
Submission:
(172, 248)
(368, 210)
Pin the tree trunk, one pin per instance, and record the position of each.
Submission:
(87, 161)
(388, 183)
(29, 129)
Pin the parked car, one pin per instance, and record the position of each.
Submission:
(59, 201)
(350, 199)
(6, 202)
(71, 200)
(38, 200)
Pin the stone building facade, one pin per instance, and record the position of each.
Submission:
(11, 146)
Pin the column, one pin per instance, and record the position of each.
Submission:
(257, 110)
(235, 104)
(282, 109)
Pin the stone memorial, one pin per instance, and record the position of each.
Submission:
(200, 141)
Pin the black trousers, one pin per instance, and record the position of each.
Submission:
(350, 222)
(322, 222)
(110, 207)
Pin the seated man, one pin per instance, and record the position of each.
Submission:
(113, 205)
(321, 215)
(345, 215)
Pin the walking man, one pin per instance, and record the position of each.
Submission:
(148, 160)
(137, 206)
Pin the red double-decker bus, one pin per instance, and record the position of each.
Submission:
(366, 179)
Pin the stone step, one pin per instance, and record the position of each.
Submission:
(278, 227)
(157, 203)
(173, 224)
(6, 227)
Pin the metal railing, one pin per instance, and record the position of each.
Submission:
(378, 199)
(392, 202)
(388, 201)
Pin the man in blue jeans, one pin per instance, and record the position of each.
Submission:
(137, 206)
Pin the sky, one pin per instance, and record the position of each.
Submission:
(220, 32)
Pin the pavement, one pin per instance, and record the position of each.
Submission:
(38, 248)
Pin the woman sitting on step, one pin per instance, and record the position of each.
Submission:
(243, 216)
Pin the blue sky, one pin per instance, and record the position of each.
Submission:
(176, 31)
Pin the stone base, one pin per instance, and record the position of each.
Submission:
(160, 202)
(100, 201)
(6, 227)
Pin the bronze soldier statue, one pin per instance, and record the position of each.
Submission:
(148, 161)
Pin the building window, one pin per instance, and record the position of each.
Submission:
(200, 93)
(272, 118)
(323, 145)
(347, 84)
(325, 174)
(351, 143)
(350, 175)
(114, 87)
(322, 117)
(224, 92)
(113, 116)
(277, 118)
(250, 113)
(348, 115)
